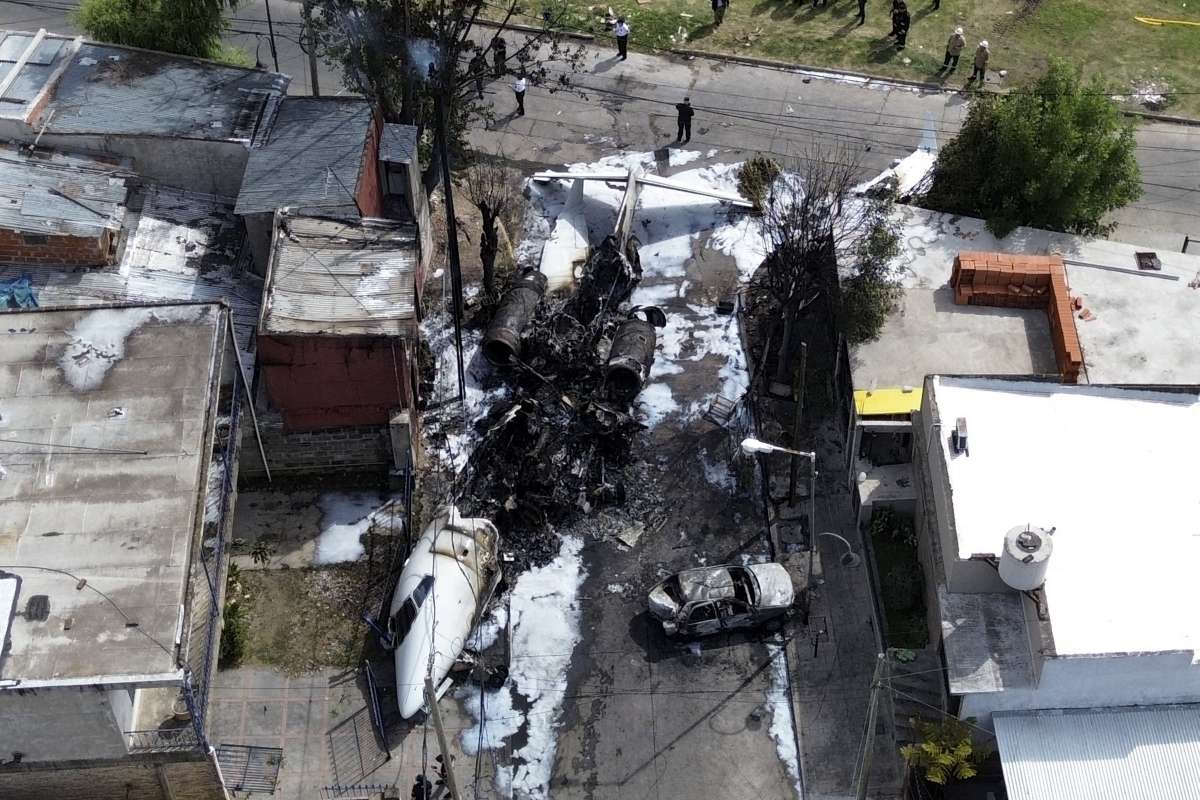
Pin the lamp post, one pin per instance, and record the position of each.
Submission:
(849, 558)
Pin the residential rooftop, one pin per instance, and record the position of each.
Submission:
(311, 158)
(1109, 469)
(180, 246)
(60, 194)
(65, 85)
(108, 415)
(341, 277)
(1145, 325)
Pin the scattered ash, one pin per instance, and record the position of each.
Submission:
(559, 449)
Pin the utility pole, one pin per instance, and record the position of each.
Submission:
(456, 286)
(271, 35)
(435, 715)
(797, 423)
(869, 737)
(310, 39)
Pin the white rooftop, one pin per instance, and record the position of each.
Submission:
(104, 442)
(1113, 471)
(1145, 327)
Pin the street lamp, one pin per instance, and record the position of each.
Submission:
(849, 558)
(752, 446)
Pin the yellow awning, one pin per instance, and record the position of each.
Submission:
(886, 402)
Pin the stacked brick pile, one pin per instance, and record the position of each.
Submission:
(1020, 281)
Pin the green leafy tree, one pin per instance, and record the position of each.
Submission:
(1057, 155)
(186, 27)
(872, 290)
(946, 751)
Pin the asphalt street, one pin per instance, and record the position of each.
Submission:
(740, 109)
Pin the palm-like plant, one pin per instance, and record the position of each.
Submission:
(946, 751)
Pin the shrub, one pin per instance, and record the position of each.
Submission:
(946, 751)
(755, 178)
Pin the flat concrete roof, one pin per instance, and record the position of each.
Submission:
(105, 442)
(1145, 326)
(1112, 471)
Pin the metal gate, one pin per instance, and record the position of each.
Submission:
(246, 768)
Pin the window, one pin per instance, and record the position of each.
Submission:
(705, 612)
(403, 619)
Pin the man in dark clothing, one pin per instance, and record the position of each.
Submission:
(478, 68)
(862, 12)
(902, 22)
(684, 113)
(718, 7)
(895, 17)
(499, 56)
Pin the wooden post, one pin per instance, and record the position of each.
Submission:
(435, 715)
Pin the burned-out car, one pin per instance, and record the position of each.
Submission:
(708, 600)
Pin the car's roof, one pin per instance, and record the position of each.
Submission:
(706, 583)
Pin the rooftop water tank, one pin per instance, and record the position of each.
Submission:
(1026, 556)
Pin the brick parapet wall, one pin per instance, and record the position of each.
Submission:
(190, 777)
(1020, 281)
(72, 251)
(360, 448)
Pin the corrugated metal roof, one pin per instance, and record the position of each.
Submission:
(105, 89)
(341, 277)
(398, 145)
(59, 194)
(311, 158)
(182, 246)
(1101, 753)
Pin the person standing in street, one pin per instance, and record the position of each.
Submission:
(862, 12)
(901, 21)
(621, 31)
(478, 69)
(684, 113)
(519, 86)
(499, 56)
(982, 54)
(718, 7)
(954, 48)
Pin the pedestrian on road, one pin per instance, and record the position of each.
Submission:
(621, 30)
(862, 12)
(478, 68)
(903, 20)
(954, 48)
(718, 7)
(499, 56)
(684, 113)
(519, 91)
(982, 54)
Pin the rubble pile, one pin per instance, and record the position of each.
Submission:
(560, 448)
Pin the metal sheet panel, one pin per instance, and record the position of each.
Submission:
(1102, 753)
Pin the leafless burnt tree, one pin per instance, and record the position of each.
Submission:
(491, 188)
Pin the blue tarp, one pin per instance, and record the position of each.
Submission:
(18, 293)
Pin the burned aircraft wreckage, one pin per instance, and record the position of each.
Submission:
(576, 361)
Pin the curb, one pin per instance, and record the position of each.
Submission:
(755, 61)
(516, 26)
(819, 72)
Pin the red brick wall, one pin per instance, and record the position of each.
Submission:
(1020, 281)
(73, 251)
(370, 189)
(326, 382)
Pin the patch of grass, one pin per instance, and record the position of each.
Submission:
(1102, 36)
(299, 620)
(902, 583)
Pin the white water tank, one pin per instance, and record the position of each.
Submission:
(1026, 556)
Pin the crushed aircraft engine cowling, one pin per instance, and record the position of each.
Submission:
(561, 447)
